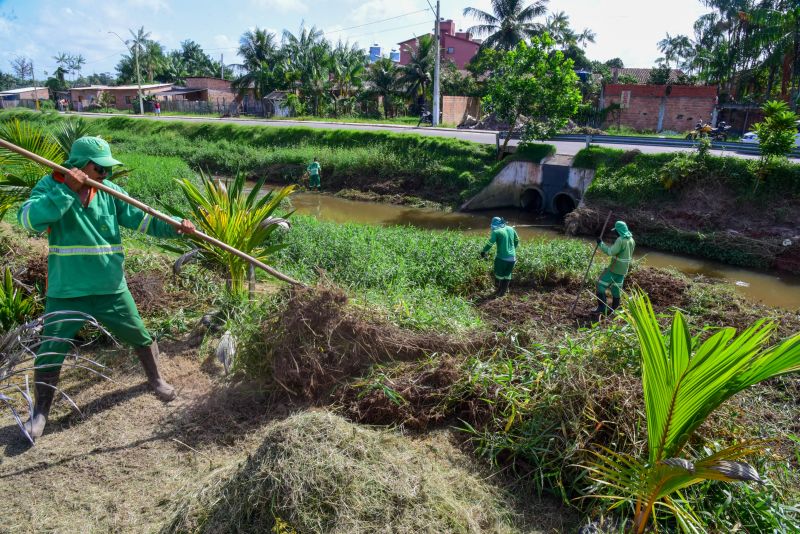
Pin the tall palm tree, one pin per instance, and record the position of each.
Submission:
(509, 23)
(383, 76)
(308, 61)
(417, 74)
(262, 68)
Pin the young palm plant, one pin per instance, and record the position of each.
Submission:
(18, 174)
(239, 219)
(684, 380)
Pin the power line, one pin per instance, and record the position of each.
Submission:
(377, 21)
(391, 29)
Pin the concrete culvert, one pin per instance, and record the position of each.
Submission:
(563, 203)
(532, 200)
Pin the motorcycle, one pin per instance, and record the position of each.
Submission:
(720, 133)
(425, 116)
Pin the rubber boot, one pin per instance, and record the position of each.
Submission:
(602, 307)
(614, 304)
(149, 358)
(503, 287)
(44, 389)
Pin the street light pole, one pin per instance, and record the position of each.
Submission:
(437, 61)
(138, 72)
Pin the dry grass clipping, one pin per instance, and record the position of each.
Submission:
(316, 472)
(318, 341)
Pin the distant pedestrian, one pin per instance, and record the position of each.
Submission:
(613, 276)
(314, 181)
(507, 242)
(157, 108)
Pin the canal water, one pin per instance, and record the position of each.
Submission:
(771, 289)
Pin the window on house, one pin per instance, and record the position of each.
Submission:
(127, 100)
(450, 50)
(113, 100)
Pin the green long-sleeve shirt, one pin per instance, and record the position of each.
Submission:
(313, 168)
(86, 255)
(621, 253)
(507, 242)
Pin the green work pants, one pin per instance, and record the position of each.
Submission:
(503, 269)
(116, 312)
(313, 180)
(610, 279)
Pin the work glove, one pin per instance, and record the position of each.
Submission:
(599, 240)
(483, 255)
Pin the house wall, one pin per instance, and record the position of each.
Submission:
(682, 106)
(121, 98)
(456, 108)
(463, 48)
(41, 93)
(218, 89)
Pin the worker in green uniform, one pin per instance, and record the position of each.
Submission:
(613, 276)
(314, 170)
(85, 266)
(507, 242)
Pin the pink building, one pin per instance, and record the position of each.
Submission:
(458, 47)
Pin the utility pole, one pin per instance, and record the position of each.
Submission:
(35, 91)
(221, 67)
(138, 72)
(139, 79)
(437, 38)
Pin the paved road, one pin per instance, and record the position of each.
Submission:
(566, 148)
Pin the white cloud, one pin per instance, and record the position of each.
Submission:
(151, 5)
(283, 6)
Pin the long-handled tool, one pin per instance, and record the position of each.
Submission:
(150, 211)
(589, 268)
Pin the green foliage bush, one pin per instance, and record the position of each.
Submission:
(640, 180)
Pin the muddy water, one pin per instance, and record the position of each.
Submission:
(773, 290)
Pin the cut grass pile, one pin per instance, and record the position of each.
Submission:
(316, 472)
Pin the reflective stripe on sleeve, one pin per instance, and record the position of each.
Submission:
(145, 224)
(25, 217)
(86, 250)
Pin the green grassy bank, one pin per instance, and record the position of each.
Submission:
(434, 168)
(730, 209)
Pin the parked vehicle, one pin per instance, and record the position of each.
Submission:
(752, 137)
(426, 116)
(720, 133)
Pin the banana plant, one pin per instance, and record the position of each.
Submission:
(683, 381)
(239, 219)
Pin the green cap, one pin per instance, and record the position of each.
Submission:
(622, 229)
(88, 149)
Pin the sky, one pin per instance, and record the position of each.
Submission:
(38, 29)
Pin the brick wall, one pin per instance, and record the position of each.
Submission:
(456, 108)
(684, 106)
(209, 83)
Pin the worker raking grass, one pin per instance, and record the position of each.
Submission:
(507, 242)
(613, 276)
(85, 266)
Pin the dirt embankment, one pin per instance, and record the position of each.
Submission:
(707, 220)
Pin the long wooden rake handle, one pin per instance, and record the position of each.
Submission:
(589, 268)
(150, 211)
